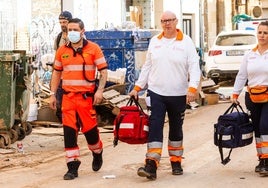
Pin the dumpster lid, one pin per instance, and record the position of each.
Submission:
(9, 57)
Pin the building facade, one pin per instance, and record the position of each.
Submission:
(218, 15)
(33, 24)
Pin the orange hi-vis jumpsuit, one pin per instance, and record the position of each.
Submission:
(78, 113)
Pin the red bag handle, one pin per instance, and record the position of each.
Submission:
(131, 100)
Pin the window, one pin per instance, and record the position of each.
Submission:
(235, 40)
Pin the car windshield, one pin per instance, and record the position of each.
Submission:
(235, 40)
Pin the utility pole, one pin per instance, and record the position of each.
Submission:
(220, 6)
(234, 12)
(180, 14)
(201, 24)
(204, 27)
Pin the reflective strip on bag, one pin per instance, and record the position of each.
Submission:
(131, 126)
(226, 137)
(146, 128)
(126, 125)
(247, 136)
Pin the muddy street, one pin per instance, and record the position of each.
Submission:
(42, 165)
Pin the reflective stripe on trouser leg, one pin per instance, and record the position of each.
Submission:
(96, 148)
(154, 151)
(175, 150)
(258, 146)
(263, 124)
(70, 143)
(72, 154)
(93, 140)
(175, 108)
(264, 147)
(157, 118)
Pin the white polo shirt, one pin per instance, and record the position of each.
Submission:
(254, 69)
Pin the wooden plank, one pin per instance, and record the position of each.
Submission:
(207, 83)
(202, 95)
(211, 89)
(110, 94)
(119, 98)
(45, 124)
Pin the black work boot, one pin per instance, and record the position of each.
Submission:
(264, 168)
(176, 168)
(72, 170)
(260, 165)
(149, 170)
(97, 161)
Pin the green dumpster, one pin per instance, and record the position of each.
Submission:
(14, 96)
(8, 66)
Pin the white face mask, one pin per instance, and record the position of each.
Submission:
(74, 36)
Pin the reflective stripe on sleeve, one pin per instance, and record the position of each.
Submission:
(77, 83)
(99, 61)
(79, 68)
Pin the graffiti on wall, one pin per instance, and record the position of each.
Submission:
(43, 32)
(130, 62)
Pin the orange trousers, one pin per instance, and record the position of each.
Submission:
(74, 105)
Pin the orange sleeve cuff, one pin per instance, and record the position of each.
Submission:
(235, 96)
(137, 88)
(192, 90)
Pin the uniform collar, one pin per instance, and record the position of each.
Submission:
(178, 37)
(255, 48)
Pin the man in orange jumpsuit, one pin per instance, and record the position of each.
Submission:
(76, 63)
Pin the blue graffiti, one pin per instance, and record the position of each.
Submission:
(130, 65)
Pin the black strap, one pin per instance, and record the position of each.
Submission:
(117, 126)
(131, 100)
(227, 159)
(232, 107)
(58, 40)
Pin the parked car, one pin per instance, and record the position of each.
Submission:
(226, 54)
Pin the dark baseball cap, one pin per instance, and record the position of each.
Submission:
(65, 15)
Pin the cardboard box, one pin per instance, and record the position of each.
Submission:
(211, 98)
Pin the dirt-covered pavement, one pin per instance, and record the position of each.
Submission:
(42, 165)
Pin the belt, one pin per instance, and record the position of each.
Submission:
(85, 94)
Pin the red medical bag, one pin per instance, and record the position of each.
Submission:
(131, 125)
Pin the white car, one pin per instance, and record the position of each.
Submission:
(226, 54)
